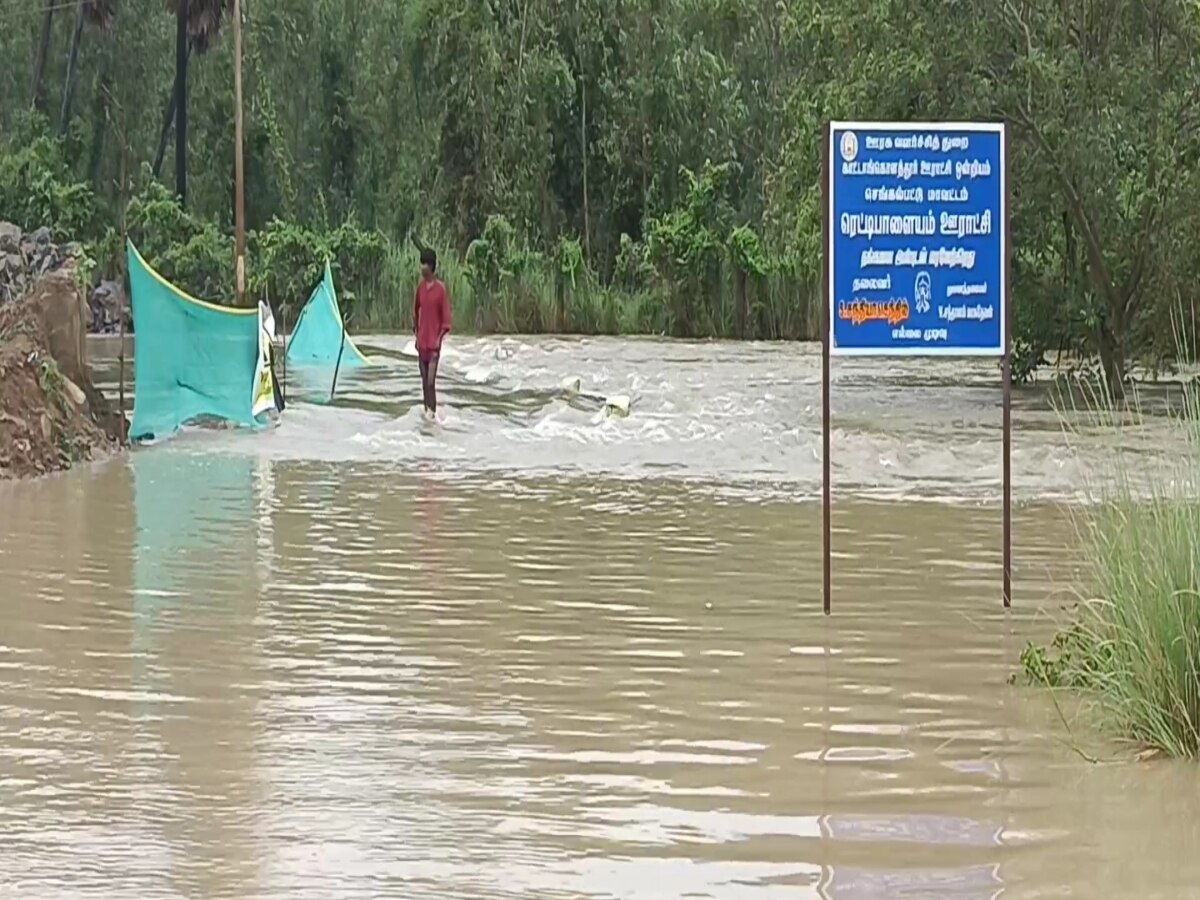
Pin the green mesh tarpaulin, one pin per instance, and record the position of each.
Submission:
(192, 359)
(319, 332)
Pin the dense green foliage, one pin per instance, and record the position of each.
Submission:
(627, 164)
(1133, 644)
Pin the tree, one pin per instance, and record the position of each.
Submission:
(1107, 96)
(99, 13)
(587, 123)
(197, 23)
(43, 51)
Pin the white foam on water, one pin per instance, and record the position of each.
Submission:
(746, 417)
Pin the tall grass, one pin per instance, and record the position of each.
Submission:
(1133, 646)
(541, 300)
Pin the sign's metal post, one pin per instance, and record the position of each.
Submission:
(917, 262)
(826, 324)
(1006, 198)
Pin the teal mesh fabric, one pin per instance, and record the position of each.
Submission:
(317, 338)
(192, 359)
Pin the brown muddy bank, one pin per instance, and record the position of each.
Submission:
(51, 415)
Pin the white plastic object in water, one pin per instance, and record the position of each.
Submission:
(617, 405)
(410, 349)
(572, 384)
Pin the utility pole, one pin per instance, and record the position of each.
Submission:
(239, 186)
(181, 62)
(121, 424)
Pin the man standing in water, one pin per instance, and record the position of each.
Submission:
(431, 323)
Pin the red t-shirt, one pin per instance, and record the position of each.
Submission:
(431, 314)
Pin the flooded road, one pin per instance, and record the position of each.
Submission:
(538, 652)
(743, 419)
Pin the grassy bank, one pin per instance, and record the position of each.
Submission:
(1132, 645)
(497, 285)
(534, 295)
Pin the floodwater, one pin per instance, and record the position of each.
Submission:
(537, 651)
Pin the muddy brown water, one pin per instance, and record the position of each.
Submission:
(536, 652)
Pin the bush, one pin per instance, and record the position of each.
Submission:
(191, 253)
(288, 260)
(284, 261)
(1134, 645)
(37, 188)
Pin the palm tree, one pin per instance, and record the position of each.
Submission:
(39, 62)
(99, 13)
(197, 23)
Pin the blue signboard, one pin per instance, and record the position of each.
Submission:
(917, 249)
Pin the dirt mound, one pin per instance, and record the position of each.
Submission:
(51, 416)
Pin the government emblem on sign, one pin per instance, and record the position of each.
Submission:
(849, 146)
(923, 292)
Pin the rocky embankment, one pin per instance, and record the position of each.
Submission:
(27, 256)
(51, 416)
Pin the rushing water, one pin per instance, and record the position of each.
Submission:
(538, 652)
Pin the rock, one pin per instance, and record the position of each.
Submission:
(64, 316)
(26, 257)
(14, 420)
(105, 307)
(10, 237)
(75, 392)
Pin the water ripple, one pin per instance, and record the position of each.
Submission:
(306, 672)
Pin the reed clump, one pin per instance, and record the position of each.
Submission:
(1132, 643)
